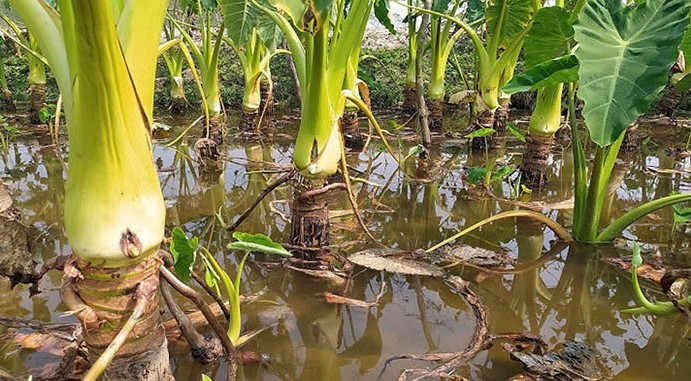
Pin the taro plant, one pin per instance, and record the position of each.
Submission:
(323, 37)
(507, 24)
(103, 54)
(254, 37)
(186, 250)
(624, 56)
(550, 38)
(206, 56)
(37, 68)
(174, 60)
(441, 46)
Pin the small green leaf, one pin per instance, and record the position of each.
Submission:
(525, 189)
(681, 215)
(184, 252)
(257, 243)
(206, 378)
(475, 174)
(418, 149)
(501, 173)
(636, 259)
(480, 133)
(513, 129)
(211, 277)
(683, 82)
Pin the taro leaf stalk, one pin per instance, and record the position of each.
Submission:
(37, 69)
(321, 54)
(206, 57)
(254, 37)
(103, 55)
(508, 23)
(625, 55)
(409, 97)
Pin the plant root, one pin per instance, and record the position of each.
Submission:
(436, 114)
(535, 161)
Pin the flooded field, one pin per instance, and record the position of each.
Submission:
(557, 291)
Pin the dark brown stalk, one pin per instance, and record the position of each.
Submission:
(197, 278)
(410, 99)
(197, 299)
(265, 192)
(205, 351)
(248, 120)
(351, 130)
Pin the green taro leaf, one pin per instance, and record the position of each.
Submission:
(258, 243)
(440, 5)
(480, 133)
(184, 251)
(506, 19)
(625, 55)
(475, 174)
(502, 173)
(549, 36)
(269, 32)
(513, 129)
(211, 277)
(381, 12)
(475, 10)
(549, 73)
(683, 82)
(240, 18)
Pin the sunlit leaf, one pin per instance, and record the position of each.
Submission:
(507, 18)
(549, 36)
(625, 55)
(239, 18)
(257, 243)
(184, 251)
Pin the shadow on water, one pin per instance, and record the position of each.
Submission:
(561, 293)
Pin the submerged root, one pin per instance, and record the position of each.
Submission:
(248, 121)
(103, 299)
(214, 130)
(38, 98)
(310, 215)
(436, 114)
(351, 130)
(409, 99)
(178, 105)
(8, 102)
(535, 161)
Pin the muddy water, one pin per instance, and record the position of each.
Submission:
(562, 293)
